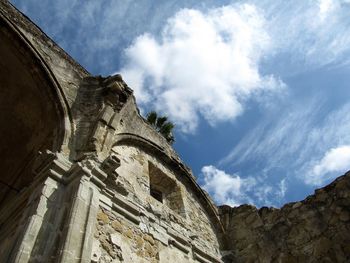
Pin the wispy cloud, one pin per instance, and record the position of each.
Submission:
(204, 64)
(300, 141)
(308, 34)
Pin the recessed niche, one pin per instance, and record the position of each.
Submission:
(165, 189)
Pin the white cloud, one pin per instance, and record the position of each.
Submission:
(203, 64)
(326, 7)
(208, 63)
(226, 188)
(334, 161)
(233, 190)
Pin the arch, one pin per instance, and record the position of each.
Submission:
(176, 166)
(34, 113)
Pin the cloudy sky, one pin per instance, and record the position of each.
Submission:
(259, 90)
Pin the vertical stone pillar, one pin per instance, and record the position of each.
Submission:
(34, 221)
(80, 224)
(59, 220)
(38, 227)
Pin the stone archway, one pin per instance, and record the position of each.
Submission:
(31, 115)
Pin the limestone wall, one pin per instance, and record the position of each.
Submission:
(133, 226)
(316, 229)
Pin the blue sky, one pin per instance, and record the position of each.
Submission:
(259, 90)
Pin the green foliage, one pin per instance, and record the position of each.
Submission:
(162, 125)
(152, 118)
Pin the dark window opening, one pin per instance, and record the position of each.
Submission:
(156, 194)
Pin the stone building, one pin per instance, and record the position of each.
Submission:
(86, 179)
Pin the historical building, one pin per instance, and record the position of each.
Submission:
(85, 179)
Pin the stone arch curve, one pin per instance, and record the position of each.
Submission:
(34, 112)
(129, 139)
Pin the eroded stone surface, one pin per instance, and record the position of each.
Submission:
(314, 230)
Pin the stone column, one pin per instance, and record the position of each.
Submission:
(80, 224)
(59, 220)
(39, 227)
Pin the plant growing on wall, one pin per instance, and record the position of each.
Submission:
(162, 125)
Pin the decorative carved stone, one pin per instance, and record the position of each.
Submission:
(110, 164)
(95, 109)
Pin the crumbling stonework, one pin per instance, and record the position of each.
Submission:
(316, 229)
(86, 179)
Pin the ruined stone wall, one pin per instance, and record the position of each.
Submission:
(143, 229)
(316, 229)
(116, 191)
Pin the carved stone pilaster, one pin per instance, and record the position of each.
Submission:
(84, 182)
(95, 111)
(78, 228)
(38, 231)
(59, 218)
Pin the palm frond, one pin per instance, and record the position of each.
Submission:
(162, 125)
(161, 121)
(152, 118)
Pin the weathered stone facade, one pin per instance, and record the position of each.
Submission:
(86, 179)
